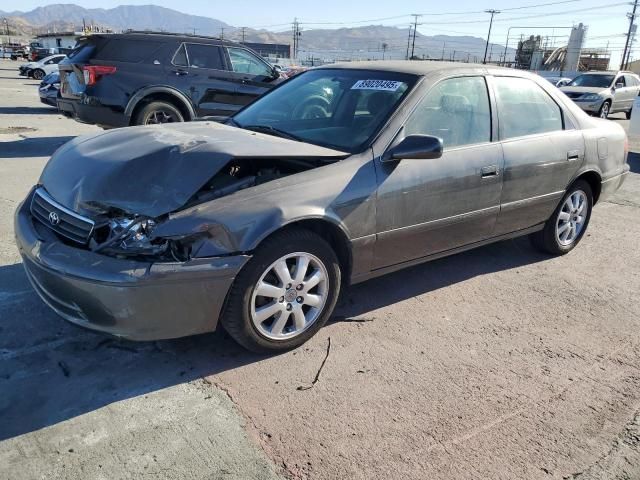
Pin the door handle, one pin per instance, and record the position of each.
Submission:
(573, 155)
(489, 171)
(180, 72)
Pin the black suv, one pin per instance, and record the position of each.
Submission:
(115, 80)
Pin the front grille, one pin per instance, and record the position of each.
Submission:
(60, 219)
(574, 94)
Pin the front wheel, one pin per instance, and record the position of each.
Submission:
(284, 294)
(37, 74)
(566, 227)
(604, 110)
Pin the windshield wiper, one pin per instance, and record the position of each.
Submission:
(268, 129)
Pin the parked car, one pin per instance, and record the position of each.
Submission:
(143, 78)
(559, 81)
(49, 88)
(602, 93)
(161, 231)
(41, 68)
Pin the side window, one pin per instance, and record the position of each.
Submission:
(244, 62)
(127, 50)
(524, 108)
(205, 56)
(630, 81)
(456, 110)
(180, 57)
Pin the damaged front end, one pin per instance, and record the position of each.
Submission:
(123, 234)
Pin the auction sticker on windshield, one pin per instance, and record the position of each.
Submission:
(385, 85)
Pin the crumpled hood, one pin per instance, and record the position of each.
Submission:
(155, 170)
(597, 90)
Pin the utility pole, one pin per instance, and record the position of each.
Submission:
(415, 27)
(408, 42)
(221, 33)
(633, 37)
(443, 45)
(296, 35)
(632, 18)
(384, 49)
(244, 30)
(492, 12)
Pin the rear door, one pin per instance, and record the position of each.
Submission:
(200, 71)
(252, 75)
(542, 151)
(622, 96)
(631, 90)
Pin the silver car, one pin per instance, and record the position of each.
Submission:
(602, 93)
(341, 174)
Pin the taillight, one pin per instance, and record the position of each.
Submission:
(93, 73)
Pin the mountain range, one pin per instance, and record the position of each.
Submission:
(366, 42)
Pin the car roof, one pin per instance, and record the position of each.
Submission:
(177, 37)
(420, 67)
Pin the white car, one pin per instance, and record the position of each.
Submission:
(41, 68)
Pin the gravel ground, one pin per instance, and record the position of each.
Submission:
(495, 363)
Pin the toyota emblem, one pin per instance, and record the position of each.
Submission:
(54, 219)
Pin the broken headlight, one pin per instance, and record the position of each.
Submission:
(131, 236)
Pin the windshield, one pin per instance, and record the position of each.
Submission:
(587, 80)
(341, 109)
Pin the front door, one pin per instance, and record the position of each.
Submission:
(542, 151)
(252, 75)
(430, 206)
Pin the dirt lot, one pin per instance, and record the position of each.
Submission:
(497, 363)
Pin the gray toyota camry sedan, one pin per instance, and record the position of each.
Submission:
(340, 174)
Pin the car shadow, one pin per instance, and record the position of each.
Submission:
(51, 371)
(28, 110)
(634, 162)
(389, 289)
(32, 146)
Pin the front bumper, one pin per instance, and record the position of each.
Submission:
(131, 299)
(589, 106)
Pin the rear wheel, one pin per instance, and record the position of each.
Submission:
(628, 114)
(284, 294)
(566, 227)
(158, 112)
(38, 74)
(604, 109)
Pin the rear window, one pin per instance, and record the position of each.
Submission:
(129, 51)
(82, 52)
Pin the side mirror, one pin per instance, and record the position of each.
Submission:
(415, 147)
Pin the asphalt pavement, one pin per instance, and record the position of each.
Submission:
(498, 363)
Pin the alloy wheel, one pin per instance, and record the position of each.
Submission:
(160, 116)
(572, 217)
(604, 111)
(289, 296)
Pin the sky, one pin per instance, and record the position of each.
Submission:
(606, 19)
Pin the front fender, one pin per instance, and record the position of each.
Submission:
(342, 194)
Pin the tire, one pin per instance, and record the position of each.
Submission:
(158, 112)
(628, 114)
(549, 239)
(38, 74)
(604, 109)
(245, 314)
